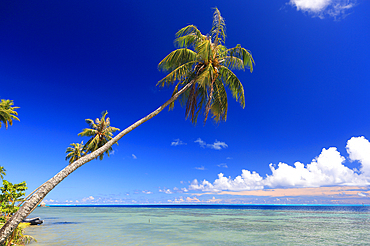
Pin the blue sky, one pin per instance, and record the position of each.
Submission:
(307, 101)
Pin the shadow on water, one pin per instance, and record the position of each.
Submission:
(66, 223)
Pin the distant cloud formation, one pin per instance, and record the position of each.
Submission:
(325, 170)
(177, 142)
(167, 191)
(202, 168)
(87, 199)
(134, 156)
(361, 194)
(222, 165)
(320, 8)
(217, 145)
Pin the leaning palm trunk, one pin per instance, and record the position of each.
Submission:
(49, 185)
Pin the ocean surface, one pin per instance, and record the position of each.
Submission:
(202, 225)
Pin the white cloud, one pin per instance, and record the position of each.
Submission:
(320, 8)
(361, 194)
(147, 192)
(177, 142)
(88, 199)
(217, 145)
(311, 5)
(325, 170)
(359, 150)
(167, 191)
(184, 189)
(246, 181)
(201, 142)
(202, 168)
(222, 165)
(134, 156)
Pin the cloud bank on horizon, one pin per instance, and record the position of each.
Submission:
(325, 170)
(320, 8)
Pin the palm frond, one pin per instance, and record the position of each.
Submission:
(175, 90)
(243, 54)
(178, 74)
(87, 132)
(91, 123)
(233, 62)
(177, 58)
(205, 78)
(218, 31)
(204, 50)
(194, 100)
(233, 83)
(219, 103)
(110, 130)
(189, 30)
(92, 144)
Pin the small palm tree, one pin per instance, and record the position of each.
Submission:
(204, 62)
(7, 113)
(100, 132)
(75, 152)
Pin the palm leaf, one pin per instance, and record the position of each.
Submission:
(219, 103)
(205, 78)
(233, 83)
(178, 74)
(233, 62)
(204, 50)
(87, 132)
(243, 54)
(177, 58)
(189, 30)
(218, 28)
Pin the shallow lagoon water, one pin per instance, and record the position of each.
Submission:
(202, 225)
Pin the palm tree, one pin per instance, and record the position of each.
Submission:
(199, 74)
(100, 132)
(75, 152)
(204, 62)
(7, 113)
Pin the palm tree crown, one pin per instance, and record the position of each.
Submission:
(204, 61)
(7, 113)
(75, 152)
(100, 132)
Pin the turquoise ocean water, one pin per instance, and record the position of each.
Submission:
(202, 225)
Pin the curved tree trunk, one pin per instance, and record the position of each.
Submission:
(44, 189)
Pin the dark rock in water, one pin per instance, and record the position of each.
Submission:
(34, 221)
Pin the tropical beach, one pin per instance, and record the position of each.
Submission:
(184, 124)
